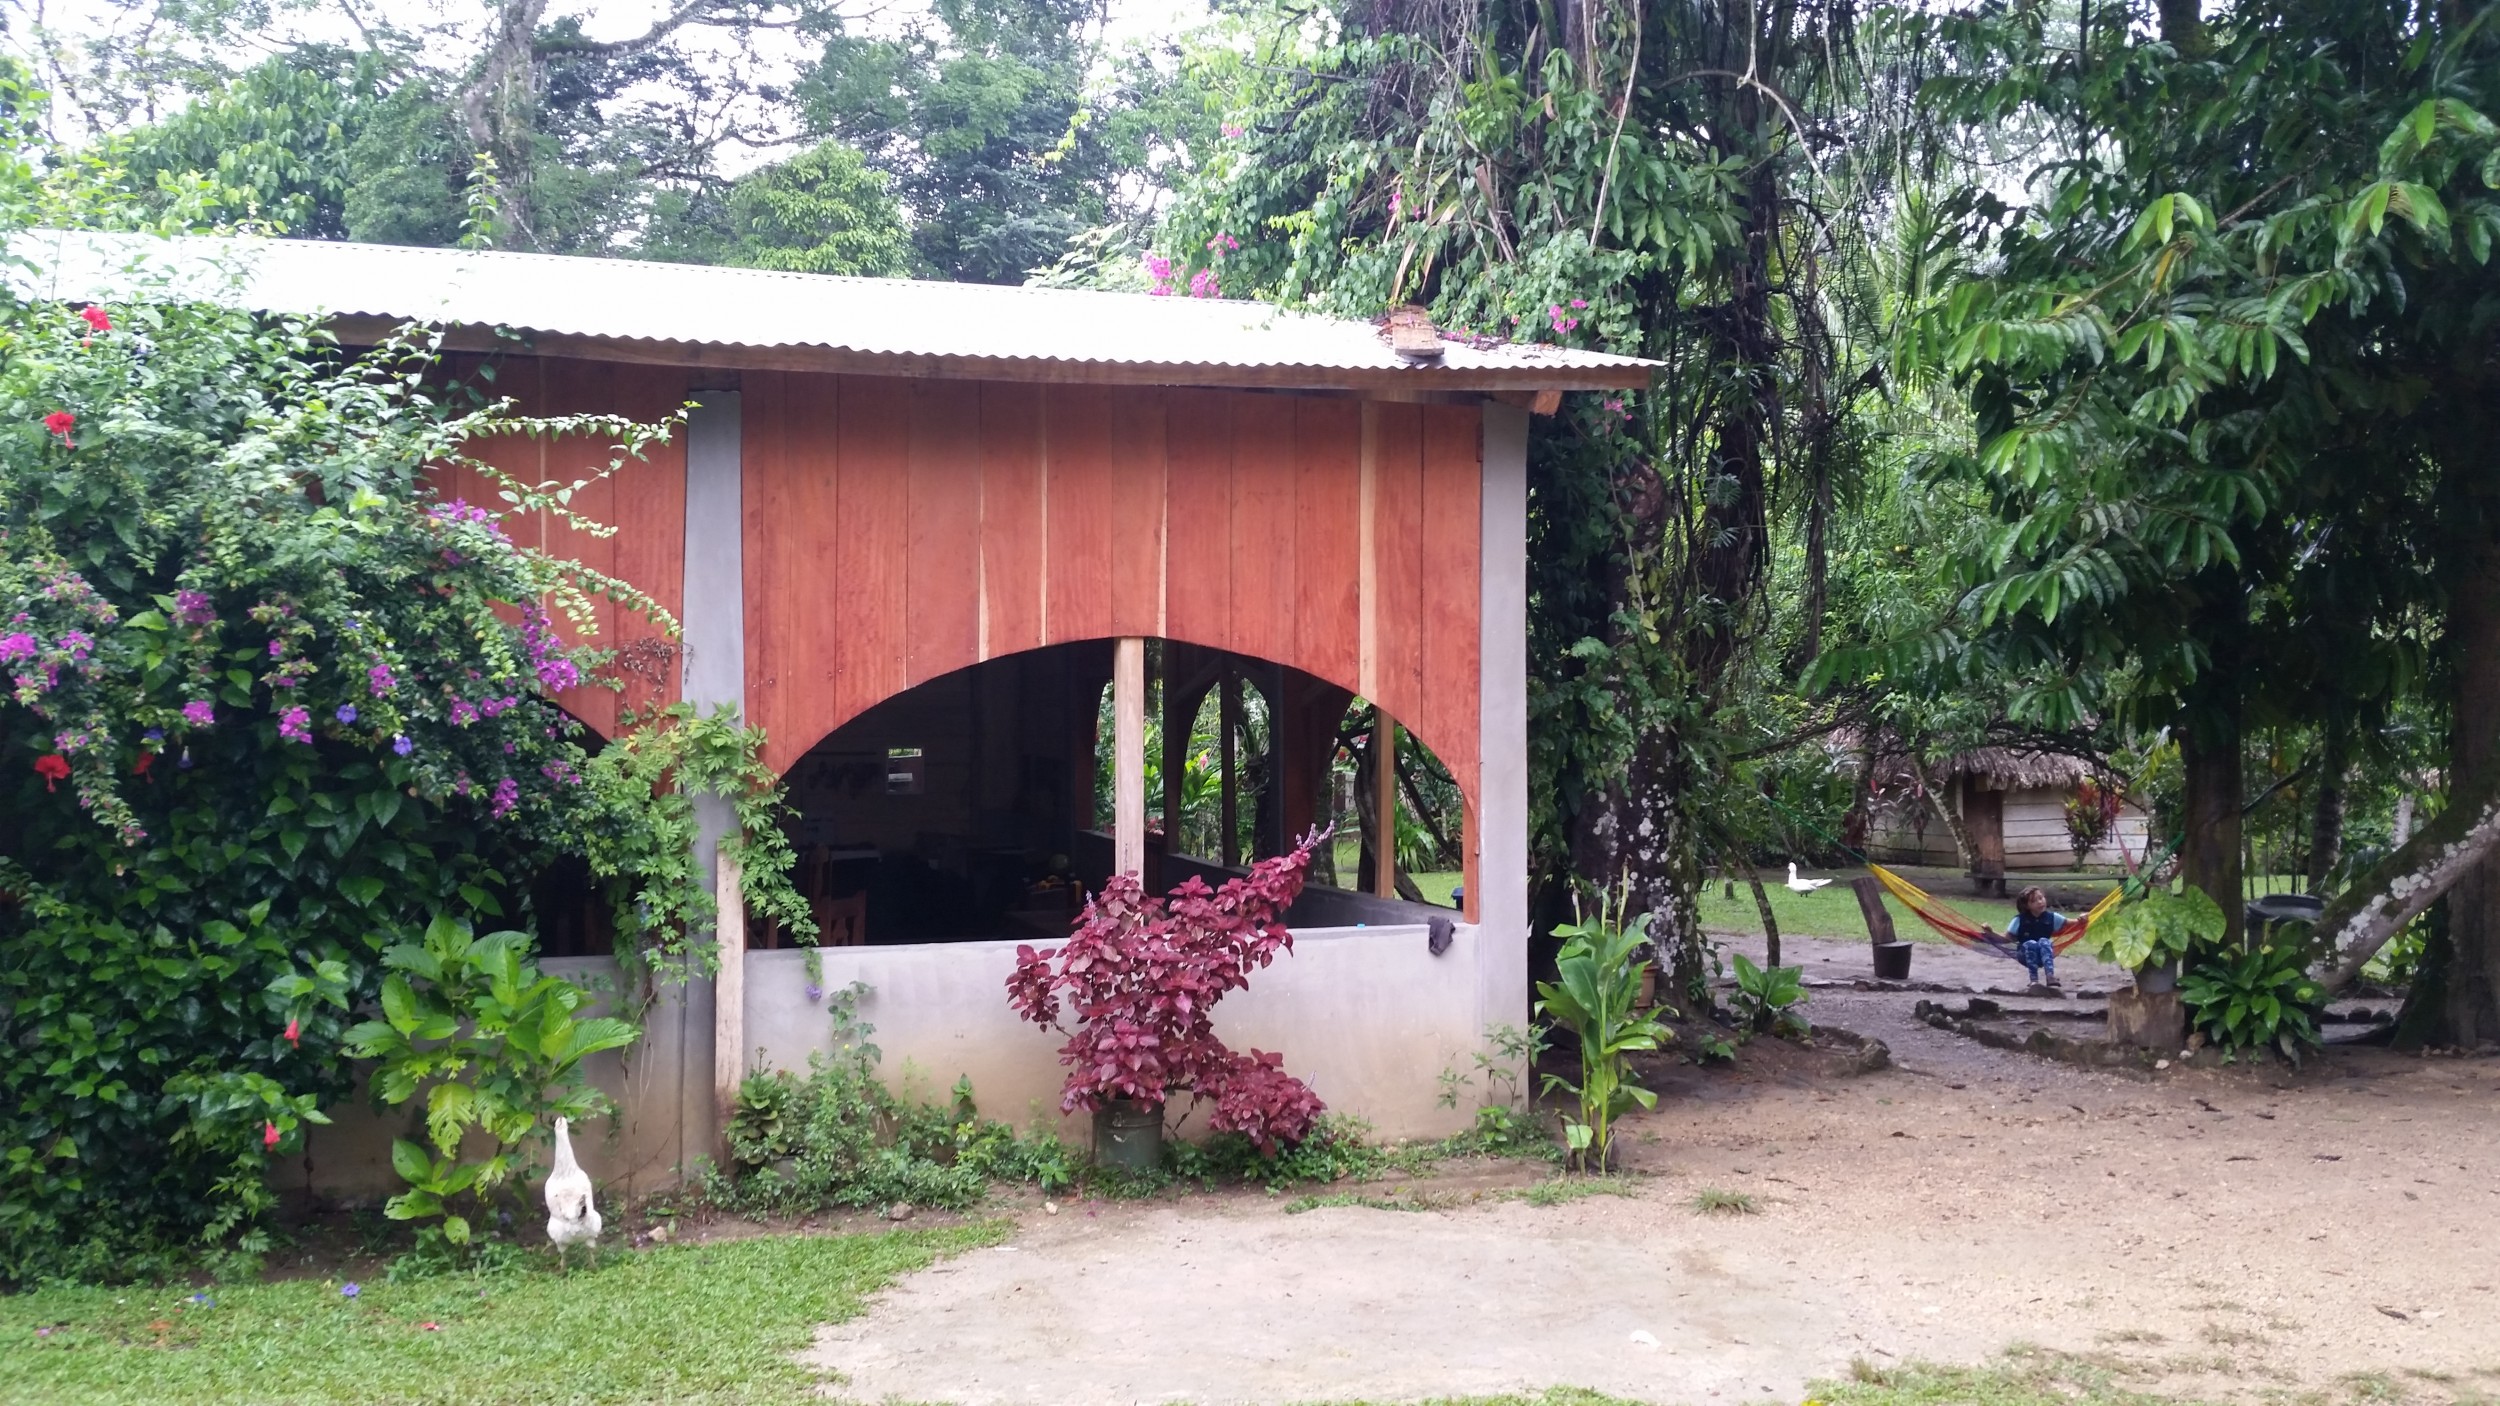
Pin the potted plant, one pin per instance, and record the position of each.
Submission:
(2149, 937)
(1134, 990)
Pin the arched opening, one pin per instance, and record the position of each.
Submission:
(981, 804)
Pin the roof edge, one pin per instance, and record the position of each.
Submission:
(364, 330)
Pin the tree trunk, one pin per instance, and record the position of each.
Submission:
(1770, 920)
(2471, 1003)
(2326, 811)
(1934, 784)
(2457, 854)
(2209, 757)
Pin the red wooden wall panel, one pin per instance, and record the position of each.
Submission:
(1327, 538)
(1263, 520)
(942, 591)
(645, 501)
(1014, 528)
(897, 530)
(1084, 492)
(1198, 523)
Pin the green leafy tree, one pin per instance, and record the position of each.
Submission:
(2228, 400)
(822, 211)
(996, 132)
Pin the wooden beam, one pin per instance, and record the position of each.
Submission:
(1536, 402)
(1177, 716)
(1384, 803)
(1128, 757)
(729, 987)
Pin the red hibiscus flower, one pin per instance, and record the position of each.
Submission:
(53, 768)
(294, 1031)
(60, 422)
(269, 1135)
(97, 319)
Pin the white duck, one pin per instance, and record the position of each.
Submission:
(1797, 885)
(571, 1218)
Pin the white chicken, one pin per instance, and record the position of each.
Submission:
(571, 1218)
(1797, 885)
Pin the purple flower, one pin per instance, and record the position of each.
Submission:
(815, 992)
(154, 734)
(378, 679)
(20, 645)
(350, 1289)
(507, 796)
(193, 608)
(1203, 284)
(463, 712)
(199, 712)
(295, 724)
(277, 648)
(402, 745)
(347, 712)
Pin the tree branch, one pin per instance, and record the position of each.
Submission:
(2367, 916)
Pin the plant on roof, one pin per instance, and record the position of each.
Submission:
(1135, 987)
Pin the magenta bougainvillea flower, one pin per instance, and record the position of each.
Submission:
(507, 795)
(199, 712)
(193, 607)
(295, 724)
(20, 645)
(378, 680)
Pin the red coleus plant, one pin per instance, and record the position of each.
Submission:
(1139, 979)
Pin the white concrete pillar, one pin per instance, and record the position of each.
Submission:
(1502, 722)
(713, 672)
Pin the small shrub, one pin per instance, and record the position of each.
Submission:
(1139, 979)
(1712, 1201)
(1767, 999)
(2251, 999)
(837, 1137)
(1598, 980)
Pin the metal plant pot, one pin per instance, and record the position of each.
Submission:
(1129, 1135)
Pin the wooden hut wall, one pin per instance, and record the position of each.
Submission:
(900, 529)
(645, 503)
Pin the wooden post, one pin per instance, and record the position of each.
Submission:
(1384, 803)
(729, 987)
(1176, 727)
(1870, 894)
(1226, 852)
(1128, 757)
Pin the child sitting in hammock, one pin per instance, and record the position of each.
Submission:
(2034, 931)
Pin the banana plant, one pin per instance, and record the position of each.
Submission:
(1598, 982)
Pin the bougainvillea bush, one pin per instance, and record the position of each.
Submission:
(1138, 982)
(273, 708)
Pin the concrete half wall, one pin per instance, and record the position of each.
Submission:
(1367, 1016)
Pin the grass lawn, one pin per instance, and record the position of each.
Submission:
(1827, 912)
(714, 1324)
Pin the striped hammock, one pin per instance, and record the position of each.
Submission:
(1979, 937)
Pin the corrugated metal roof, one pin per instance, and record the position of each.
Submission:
(758, 318)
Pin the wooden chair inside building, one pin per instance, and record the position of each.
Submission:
(840, 922)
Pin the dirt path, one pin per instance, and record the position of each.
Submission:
(2240, 1233)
